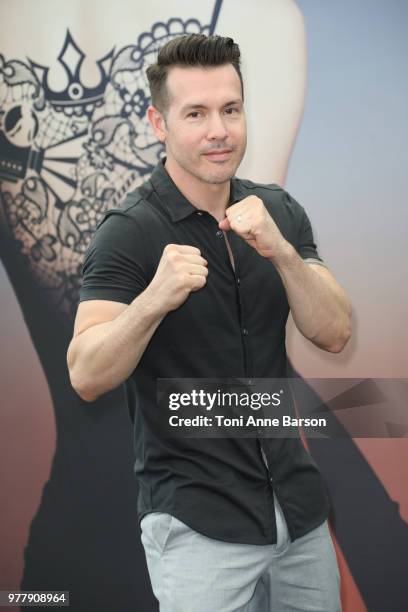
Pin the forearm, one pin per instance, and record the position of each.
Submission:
(104, 355)
(319, 306)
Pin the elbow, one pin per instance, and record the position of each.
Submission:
(86, 395)
(77, 382)
(334, 338)
(341, 340)
(338, 346)
(81, 389)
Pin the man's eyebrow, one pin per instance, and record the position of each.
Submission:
(189, 107)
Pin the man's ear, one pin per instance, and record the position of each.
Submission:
(157, 122)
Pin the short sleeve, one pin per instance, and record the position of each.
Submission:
(113, 267)
(306, 246)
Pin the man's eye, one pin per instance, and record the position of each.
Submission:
(194, 114)
(231, 110)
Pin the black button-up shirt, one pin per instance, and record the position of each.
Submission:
(233, 327)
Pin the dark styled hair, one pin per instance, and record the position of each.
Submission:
(190, 50)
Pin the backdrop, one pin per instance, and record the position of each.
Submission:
(326, 101)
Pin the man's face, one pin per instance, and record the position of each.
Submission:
(205, 128)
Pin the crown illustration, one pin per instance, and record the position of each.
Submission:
(76, 94)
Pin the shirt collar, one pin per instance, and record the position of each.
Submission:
(177, 206)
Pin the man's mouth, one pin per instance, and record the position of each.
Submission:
(218, 154)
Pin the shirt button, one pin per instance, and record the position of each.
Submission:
(219, 234)
(238, 281)
(245, 331)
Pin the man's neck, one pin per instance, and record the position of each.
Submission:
(205, 196)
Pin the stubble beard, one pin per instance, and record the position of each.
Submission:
(223, 175)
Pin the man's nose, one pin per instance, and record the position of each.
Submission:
(216, 128)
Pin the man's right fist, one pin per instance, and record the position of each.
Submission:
(181, 270)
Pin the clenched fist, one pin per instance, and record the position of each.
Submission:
(250, 220)
(181, 270)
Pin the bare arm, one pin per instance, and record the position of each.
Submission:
(102, 356)
(319, 305)
(320, 308)
(111, 337)
(274, 101)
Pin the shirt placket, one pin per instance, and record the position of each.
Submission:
(234, 265)
(248, 360)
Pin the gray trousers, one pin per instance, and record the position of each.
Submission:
(190, 572)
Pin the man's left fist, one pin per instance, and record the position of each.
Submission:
(250, 219)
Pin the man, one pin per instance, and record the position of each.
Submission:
(193, 276)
